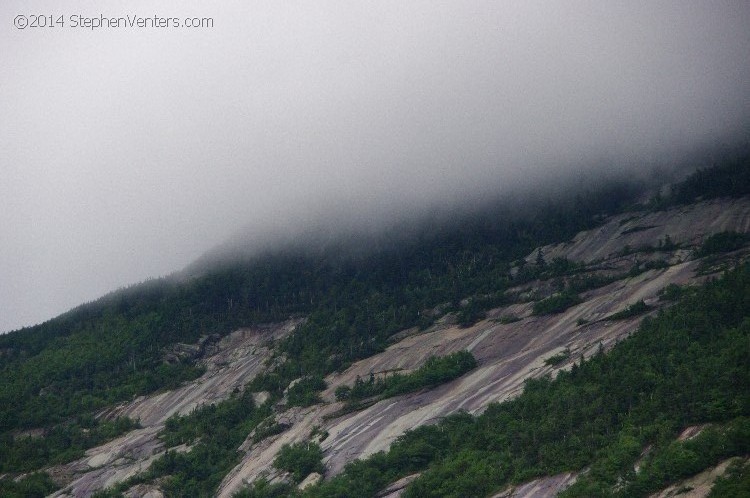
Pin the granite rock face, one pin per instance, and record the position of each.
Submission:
(507, 351)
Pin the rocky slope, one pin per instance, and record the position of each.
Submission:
(237, 358)
(507, 354)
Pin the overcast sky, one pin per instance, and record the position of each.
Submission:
(126, 153)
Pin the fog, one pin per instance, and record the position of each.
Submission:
(126, 153)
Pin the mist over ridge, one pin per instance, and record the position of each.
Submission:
(128, 154)
(346, 230)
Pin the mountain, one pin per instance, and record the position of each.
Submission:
(502, 351)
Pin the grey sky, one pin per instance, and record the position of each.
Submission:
(127, 153)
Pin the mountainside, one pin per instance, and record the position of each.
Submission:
(283, 369)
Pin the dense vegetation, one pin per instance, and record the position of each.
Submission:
(214, 433)
(675, 461)
(556, 303)
(722, 242)
(114, 349)
(687, 366)
(735, 483)
(59, 444)
(638, 308)
(35, 485)
(300, 459)
(304, 392)
(726, 177)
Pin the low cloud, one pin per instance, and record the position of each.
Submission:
(127, 153)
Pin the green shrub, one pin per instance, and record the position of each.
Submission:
(300, 459)
(558, 358)
(506, 319)
(656, 264)
(722, 242)
(305, 391)
(582, 283)
(556, 303)
(635, 309)
(261, 488)
(671, 292)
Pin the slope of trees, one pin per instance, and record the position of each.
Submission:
(735, 483)
(58, 444)
(722, 242)
(727, 177)
(35, 485)
(214, 433)
(110, 350)
(687, 366)
(300, 459)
